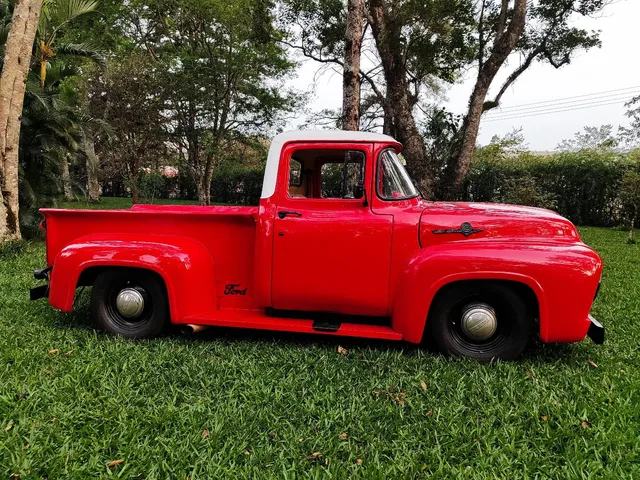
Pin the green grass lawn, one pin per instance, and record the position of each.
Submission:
(242, 404)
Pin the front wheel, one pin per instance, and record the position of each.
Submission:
(128, 302)
(483, 321)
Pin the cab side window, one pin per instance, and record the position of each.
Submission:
(326, 173)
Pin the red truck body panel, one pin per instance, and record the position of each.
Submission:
(233, 266)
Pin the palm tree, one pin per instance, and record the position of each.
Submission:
(56, 14)
(51, 129)
(51, 132)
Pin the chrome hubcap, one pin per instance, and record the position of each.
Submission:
(479, 321)
(130, 303)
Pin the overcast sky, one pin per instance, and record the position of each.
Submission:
(614, 69)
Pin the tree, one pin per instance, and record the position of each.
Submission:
(51, 130)
(351, 73)
(56, 15)
(630, 196)
(507, 147)
(15, 67)
(218, 74)
(538, 31)
(591, 138)
(629, 137)
(223, 80)
(508, 27)
(93, 166)
(416, 44)
(421, 45)
(128, 96)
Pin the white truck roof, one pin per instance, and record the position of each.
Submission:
(273, 158)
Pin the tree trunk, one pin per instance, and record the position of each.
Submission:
(93, 169)
(387, 35)
(204, 182)
(208, 177)
(503, 45)
(203, 198)
(13, 80)
(66, 179)
(351, 73)
(135, 194)
(387, 126)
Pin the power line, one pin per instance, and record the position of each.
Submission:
(555, 107)
(547, 112)
(513, 111)
(573, 97)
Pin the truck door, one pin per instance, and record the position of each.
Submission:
(331, 253)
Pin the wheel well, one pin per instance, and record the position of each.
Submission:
(89, 275)
(523, 290)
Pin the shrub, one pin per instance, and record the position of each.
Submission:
(526, 191)
(582, 186)
(151, 186)
(630, 199)
(237, 185)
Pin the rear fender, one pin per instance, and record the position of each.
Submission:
(184, 264)
(563, 278)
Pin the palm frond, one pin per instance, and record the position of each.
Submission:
(59, 71)
(34, 92)
(57, 13)
(95, 125)
(86, 50)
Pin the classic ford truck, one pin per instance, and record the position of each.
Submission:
(341, 244)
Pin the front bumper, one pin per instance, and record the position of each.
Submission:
(41, 291)
(596, 331)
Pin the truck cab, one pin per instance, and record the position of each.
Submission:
(342, 243)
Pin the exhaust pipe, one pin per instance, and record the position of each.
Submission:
(191, 329)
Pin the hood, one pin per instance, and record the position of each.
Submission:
(442, 222)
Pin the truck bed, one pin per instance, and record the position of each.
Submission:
(213, 226)
(226, 232)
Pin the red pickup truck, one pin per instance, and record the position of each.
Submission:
(341, 244)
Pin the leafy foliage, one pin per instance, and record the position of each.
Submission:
(591, 138)
(56, 15)
(215, 70)
(629, 137)
(127, 96)
(630, 199)
(237, 185)
(582, 186)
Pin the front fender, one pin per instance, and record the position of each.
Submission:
(184, 264)
(563, 277)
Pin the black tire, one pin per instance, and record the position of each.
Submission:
(154, 316)
(514, 322)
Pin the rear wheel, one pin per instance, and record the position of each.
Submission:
(480, 320)
(128, 302)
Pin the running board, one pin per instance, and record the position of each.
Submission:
(258, 320)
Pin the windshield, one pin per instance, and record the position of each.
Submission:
(393, 182)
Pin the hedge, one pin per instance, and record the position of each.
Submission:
(583, 186)
(237, 186)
